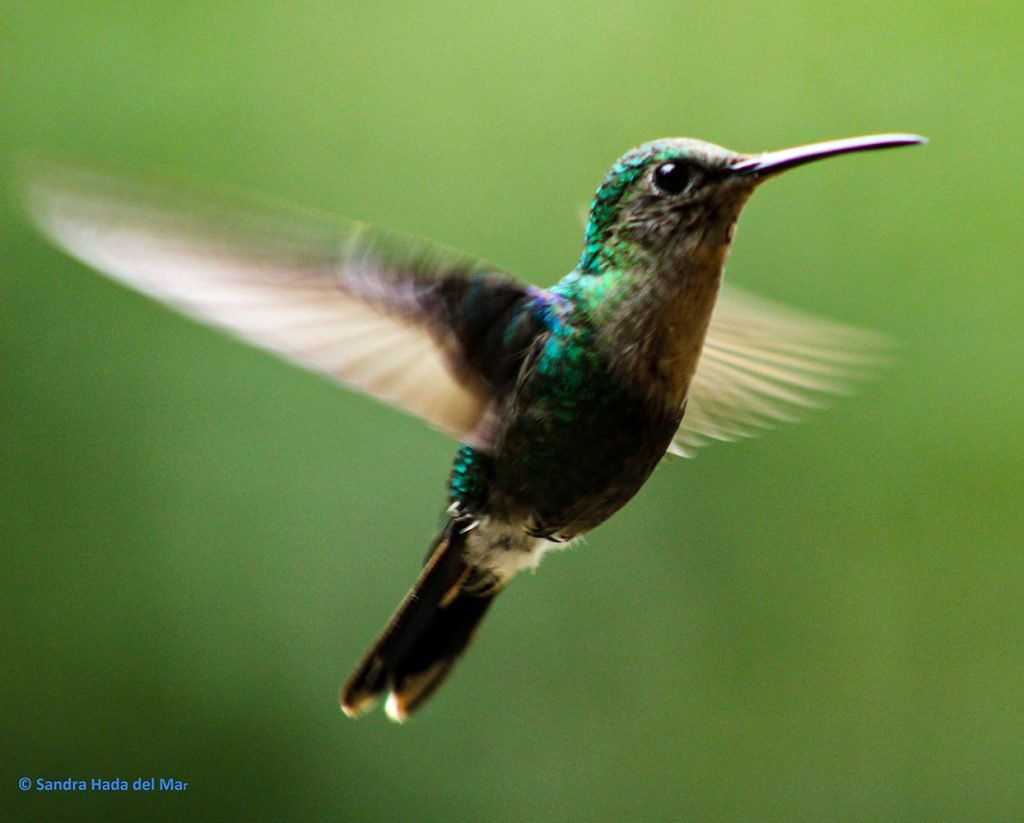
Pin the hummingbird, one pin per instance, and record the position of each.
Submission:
(563, 399)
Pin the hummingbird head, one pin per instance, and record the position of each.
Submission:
(680, 198)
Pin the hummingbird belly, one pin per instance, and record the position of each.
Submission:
(578, 445)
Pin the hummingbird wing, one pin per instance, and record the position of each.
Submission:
(406, 321)
(764, 363)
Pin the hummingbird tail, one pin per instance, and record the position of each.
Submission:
(427, 633)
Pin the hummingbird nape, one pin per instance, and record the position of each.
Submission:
(563, 399)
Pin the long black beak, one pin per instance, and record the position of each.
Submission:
(774, 162)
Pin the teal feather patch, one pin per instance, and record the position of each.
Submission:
(471, 476)
(604, 209)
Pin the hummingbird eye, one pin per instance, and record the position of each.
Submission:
(672, 177)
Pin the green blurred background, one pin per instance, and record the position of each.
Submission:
(198, 541)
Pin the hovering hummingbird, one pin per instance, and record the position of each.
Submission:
(564, 399)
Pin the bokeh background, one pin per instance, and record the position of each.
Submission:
(198, 541)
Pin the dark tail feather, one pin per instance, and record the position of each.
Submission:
(426, 635)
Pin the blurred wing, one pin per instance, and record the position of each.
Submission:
(332, 296)
(764, 364)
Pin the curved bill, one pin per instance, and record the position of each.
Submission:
(774, 162)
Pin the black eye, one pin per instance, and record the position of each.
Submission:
(672, 177)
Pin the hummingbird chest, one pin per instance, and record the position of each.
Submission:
(577, 443)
